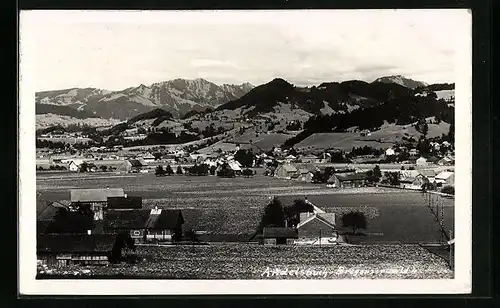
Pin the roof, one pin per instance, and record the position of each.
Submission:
(320, 217)
(95, 194)
(137, 162)
(422, 158)
(272, 232)
(124, 202)
(68, 243)
(143, 219)
(234, 166)
(288, 168)
(428, 173)
(444, 175)
(349, 177)
(129, 219)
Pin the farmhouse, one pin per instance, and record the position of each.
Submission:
(285, 171)
(430, 174)
(95, 199)
(125, 166)
(347, 180)
(279, 235)
(446, 178)
(414, 182)
(72, 166)
(68, 249)
(137, 165)
(310, 159)
(148, 157)
(155, 225)
(317, 227)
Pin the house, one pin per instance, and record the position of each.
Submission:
(279, 235)
(137, 165)
(285, 171)
(125, 166)
(445, 178)
(445, 161)
(414, 182)
(155, 225)
(390, 152)
(72, 166)
(148, 157)
(290, 158)
(95, 199)
(124, 203)
(316, 227)
(347, 180)
(413, 152)
(313, 159)
(422, 161)
(430, 174)
(235, 166)
(70, 249)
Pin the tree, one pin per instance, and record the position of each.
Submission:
(377, 173)
(157, 155)
(244, 157)
(448, 190)
(169, 170)
(179, 170)
(226, 171)
(83, 167)
(274, 215)
(104, 168)
(292, 212)
(355, 220)
(122, 240)
(317, 177)
(213, 169)
(247, 172)
(159, 171)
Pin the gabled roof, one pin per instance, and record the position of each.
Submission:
(348, 177)
(318, 217)
(428, 172)
(95, 194)
(273, 232)
(138, 163)
(143, 219)
(288, 167)
(70, 243)
(125, 202)
(444, 175)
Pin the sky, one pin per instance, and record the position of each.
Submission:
(116, 50)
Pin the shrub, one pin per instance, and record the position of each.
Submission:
(448, 190)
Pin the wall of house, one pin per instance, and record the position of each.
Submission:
(314, 228)
(160, 235)
(350, 184)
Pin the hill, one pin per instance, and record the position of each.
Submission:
(177, 96)
(327, 98)
(401, 80)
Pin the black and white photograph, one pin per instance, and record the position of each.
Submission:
(245, 152)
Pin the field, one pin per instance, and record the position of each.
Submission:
(383, 138)
(234, 206)
(246, 261)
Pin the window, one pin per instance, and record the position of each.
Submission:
(137, 232)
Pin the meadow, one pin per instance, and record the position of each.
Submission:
(234, 206)
(246, 261)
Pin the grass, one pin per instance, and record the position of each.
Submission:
(244, 261)
(234, 206)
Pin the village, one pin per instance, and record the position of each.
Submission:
(95, 224)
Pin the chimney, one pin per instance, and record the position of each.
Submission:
(89, 232)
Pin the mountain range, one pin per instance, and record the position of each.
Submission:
(177, 96)
(184, 98)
